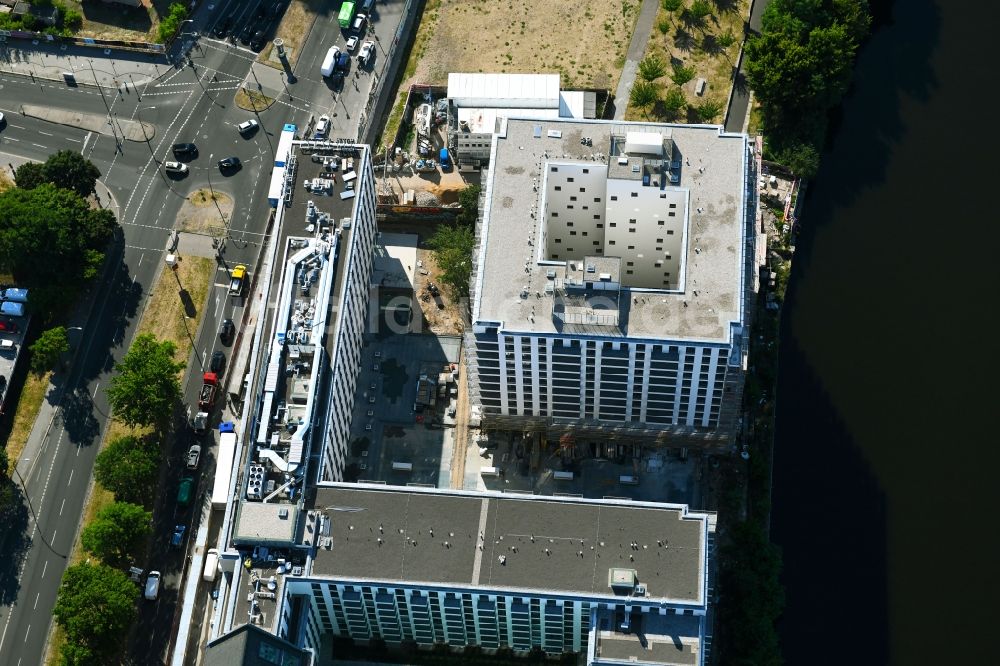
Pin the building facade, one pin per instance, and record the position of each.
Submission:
(487, 579)
(628, 315)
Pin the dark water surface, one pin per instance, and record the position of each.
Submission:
(888, 446)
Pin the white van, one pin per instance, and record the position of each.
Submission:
(329, 61)
(153, 585)
(211, 564)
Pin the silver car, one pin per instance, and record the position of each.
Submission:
(247, 126)
(175, 167)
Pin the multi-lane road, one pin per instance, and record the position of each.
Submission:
(191, 102)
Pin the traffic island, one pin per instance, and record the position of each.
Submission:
(130, 130)
(251, 100)
(205, 212)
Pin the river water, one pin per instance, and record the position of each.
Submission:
(887, 462)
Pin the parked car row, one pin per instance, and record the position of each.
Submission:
(259, 24)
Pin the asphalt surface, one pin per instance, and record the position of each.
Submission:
(739, 102)
(189, 102)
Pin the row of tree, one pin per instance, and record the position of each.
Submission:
(799, 68)
(142, 394)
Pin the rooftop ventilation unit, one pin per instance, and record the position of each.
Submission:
(554, 134)
(550, 275)
(591, 268)
(640, 590)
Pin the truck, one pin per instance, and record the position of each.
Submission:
(225, 457)
(236, 280)
(346, 14)
(445, 159)
(209, 387)
(329, 61)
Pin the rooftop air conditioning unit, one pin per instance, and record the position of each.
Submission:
(640, 590)
(591, 268)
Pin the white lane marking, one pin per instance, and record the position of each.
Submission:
(62, 506)
(73, 140)
(35, 607)
(28, 631)
(218, 304)
(70, 477)
(38, 145)
(45, 133)
(10, 138)
(94, 395)
(44, 567)
(86, 140)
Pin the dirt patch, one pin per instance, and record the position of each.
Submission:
(102, 20)
(203, 214)
(524, 37)
(293, 30)
(6, 182)
(446, 320)
(709, 46)
(251, 100)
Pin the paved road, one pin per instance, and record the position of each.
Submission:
(186, 105)
(739, 102)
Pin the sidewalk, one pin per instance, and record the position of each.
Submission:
(77, 320)
(89, 66)
(640, 37)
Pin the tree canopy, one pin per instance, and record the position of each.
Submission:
(146, 387)
(469, 200)
(452, 246)
(95, 606)
(800, 65)
(47, 349)
(117, 533)
(651, 68)
(643, 94)
(66, 169)
(128, 467)
(50, 238)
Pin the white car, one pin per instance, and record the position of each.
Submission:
(360, 21)
(247, 126)
(366, 53)
(193, 455)
(175, 167)
(322, 127)
(352, 43)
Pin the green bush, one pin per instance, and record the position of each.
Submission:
(171, 23)
(671, 5)
(72, 20)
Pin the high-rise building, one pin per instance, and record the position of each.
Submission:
(498, 571)
(612, 280)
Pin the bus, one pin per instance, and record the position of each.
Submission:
(346, 14)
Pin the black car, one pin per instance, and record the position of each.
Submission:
(247, 32)
(229, 163)
(258, 41)
(222, 27)
(227, 329)
(185, 149)
(218, 362)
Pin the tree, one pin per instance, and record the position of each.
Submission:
(643, 94)
(801, 158)
(651, 68)
(697, 12)
(67, 169)
(50, 237)
(95, 606)
(72, 171)
(708, 110)
(128, 467)
(30, 175)
(452, 246)
(469, 200)
(146, 387)
(674, 102)
(726, 40)
(47, 349)
(682, 74)
(171, 23)
(117, 532)
(671, 5)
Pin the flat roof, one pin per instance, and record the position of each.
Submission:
(552, 544)
(712, 169)
(504, 90)
(665, 640)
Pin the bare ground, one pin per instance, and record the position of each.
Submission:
(200, 214)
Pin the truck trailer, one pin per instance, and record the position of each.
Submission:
(224, 465)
